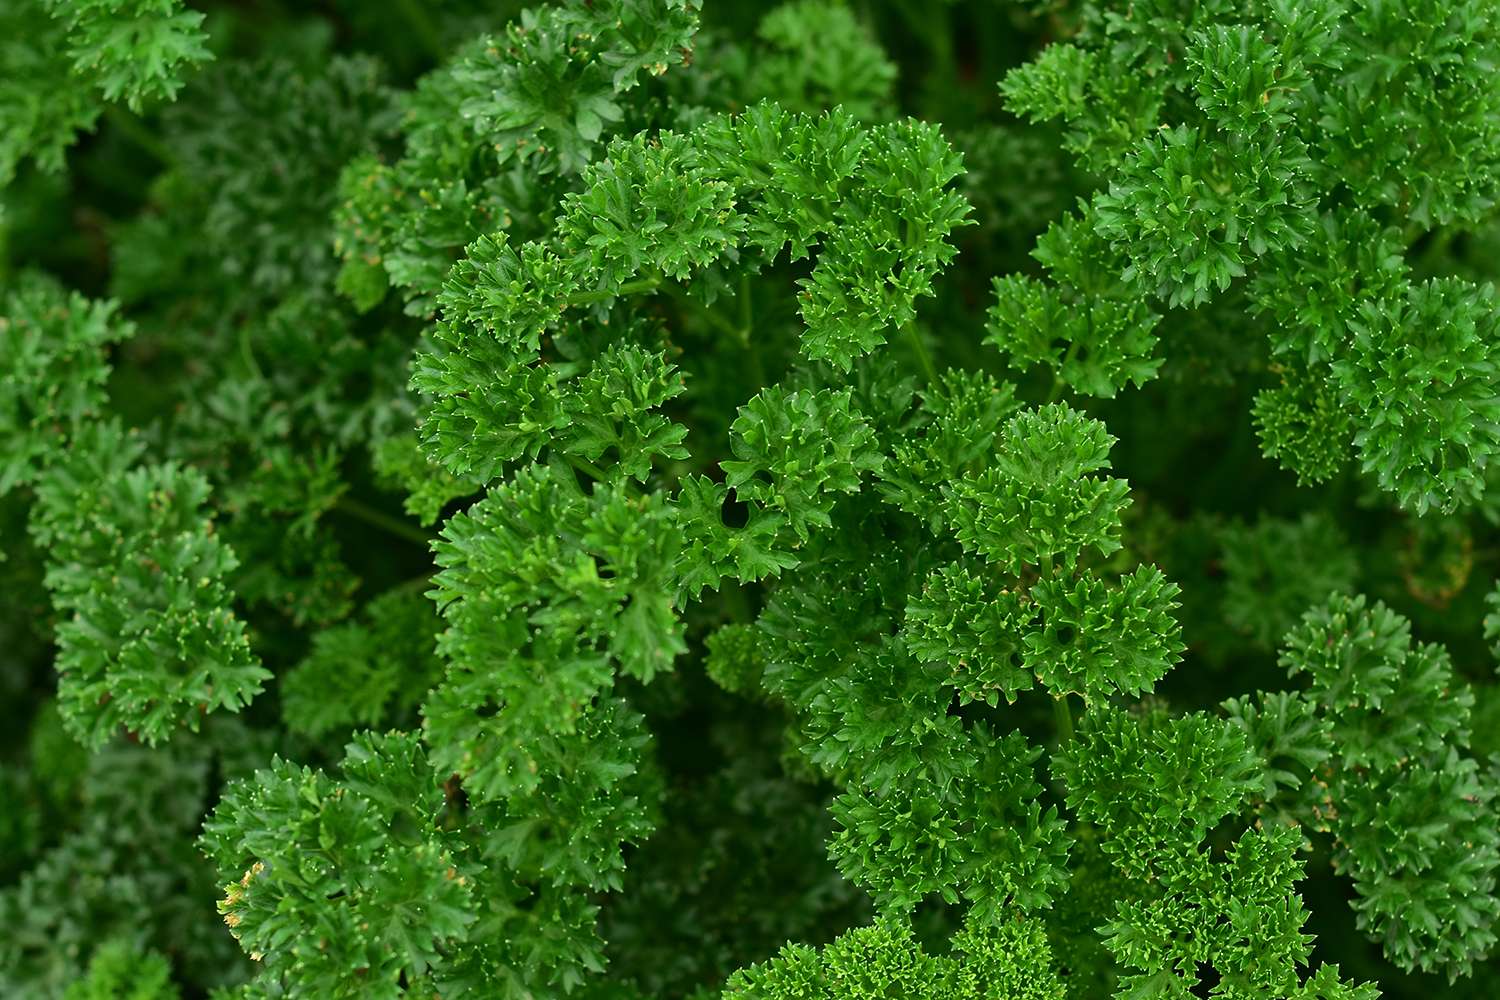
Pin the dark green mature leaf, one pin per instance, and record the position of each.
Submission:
(663, 211)
(134, 49)
(819, 55)
(1035, 503)
(366, 673)
(348, 887)
(52, 372)
(983, 837)
(1276, 569)
(491, 135)
(552, 86)
(547, 593)
(793, 450)
(1409, 812)
(1424, 377)
(149, 641)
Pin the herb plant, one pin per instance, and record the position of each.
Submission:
(629, 499)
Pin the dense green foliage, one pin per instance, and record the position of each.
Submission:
(627, 499)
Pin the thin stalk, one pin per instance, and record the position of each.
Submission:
(747, 327)
(604, 294)
(1057, 379)
(588, 468)
(423, 27)
(130, 127)
(414, 583)
(932, 23)
(747, 310)
(1062, 717)
(379, 519)
(714, 319)
(247, 353)
(920, 350)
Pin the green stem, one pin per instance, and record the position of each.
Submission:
(1057, 379)
(588, 468)
(1062, 716)
(423, 27)
(595, 472)
(747, 327)
(604, 294)
(415, 583)
(920, 349)
(1437, 246)
(747, 310)
(247, 354)
(131, 128)
(713, 318)
(1057, 387)
(380, 519)
(932, 24)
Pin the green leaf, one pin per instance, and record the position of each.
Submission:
(548, 88)
(1423, 376)
(712, 549)
(1155, 785)
(366, 673)
(1096, 639)
(1388, 698)
(546, 593)
(1190, 214)
(793, 450)
(614, 411)
(960, 619)
(52, 354)
(117, 971)
(1010, 961)
(816, 55)
(149, 641)
(1035, 502)
(984, 837)
(1276, 568)
(348, 885)
(953, 434)
(133, 49)
(1304, 426)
